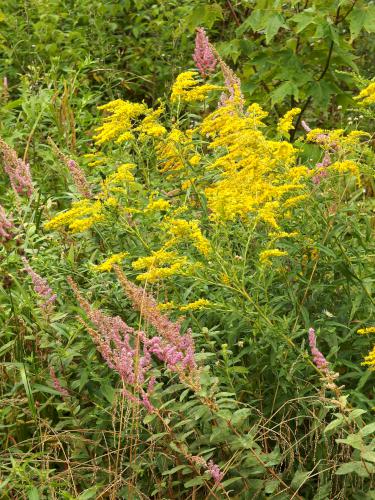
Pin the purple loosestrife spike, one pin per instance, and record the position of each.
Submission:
(181, 347)
(18, 171)
(40, 285)
(6, 226)
(215, 471)
(79, 178)
(305, 126)
(112, 338)
(322, 166)
(319, 360)
(57, 384)
(75, 170)
(204, 57)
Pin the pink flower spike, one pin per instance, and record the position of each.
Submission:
(6, 226)
(204, 58)
(18, 170)
(319, 360)
(41, 286)
(57, 384)
(215, 471)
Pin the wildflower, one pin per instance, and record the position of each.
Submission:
(204, 58)
(233, 87)
(198, 304)
(194, 160)
(369, 360)
(319, 360)
(17, 170)
(112, 339)
(57, 384)
(266, 255)
(181, 230)
(187, 88)
(41, 286)
(172, 347)
(160, 264)
(6, 226)
(285, 124)
(149, 126)
(346, 166)
(166, 306)
(215, 471)
(118, 125)
(108, 263)
(77, 173)
(158, 205)
(365, 331)
(367, 95)
(80, 217)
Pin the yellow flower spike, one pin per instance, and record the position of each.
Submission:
(266, 256)
(198, 304)
(366, 331)
(188, 89)
(367, 95)
(285, 124)
(158, 205)
(107, 265)
(117, 126)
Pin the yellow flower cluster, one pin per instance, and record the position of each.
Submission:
(173, 151)
(187, 88)
(158, 205)
(82, 216)
(107, 265)
(285, 124)
(149, 126)
(181, 230)
(256, 174)
(369, 360)
(336, 139)
(197, 304)
(366, 331)
(367, 95)
(117, 181)
(346, 166)
(266, 255)
(119, 124)
(159, 265)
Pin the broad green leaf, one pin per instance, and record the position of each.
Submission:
(356, 467)
(334, 424)
(274, 23)
(304, 19)
(368, 429)
(196, 481)
(357, 20)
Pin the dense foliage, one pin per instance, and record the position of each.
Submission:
(186, 303)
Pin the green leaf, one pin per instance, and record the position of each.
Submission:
(274, 23)
(368, 455)
(172, 471)
(240, 415)
(356, 467)
(334, 424)
(304, 19)
(284, 90)
(368, 429)
(370, 19)
(354, 440)
(33, 494)
(89, 493)
(357, 20)
(300, 477)
(196, 481)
